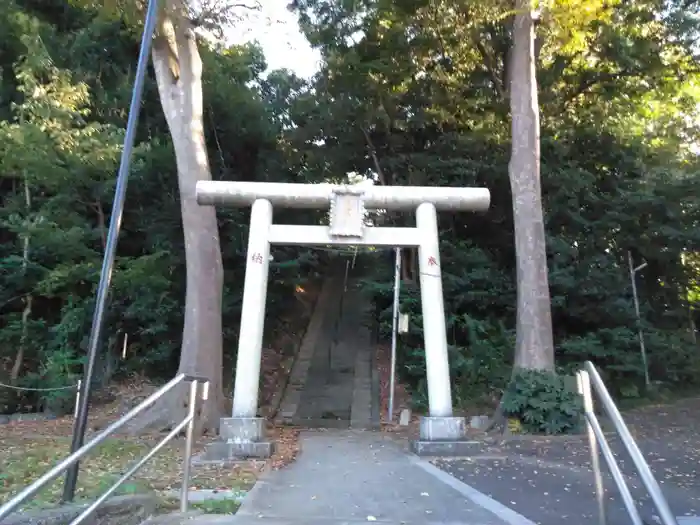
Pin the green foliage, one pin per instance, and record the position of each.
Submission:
(480, 346)
(543, 402)
(56, 373)
(65, 85)
(420, 89)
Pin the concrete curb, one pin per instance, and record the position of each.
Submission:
(248, 502)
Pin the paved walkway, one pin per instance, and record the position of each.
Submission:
(346, 477)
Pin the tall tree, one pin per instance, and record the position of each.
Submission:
(534, 341)
(178, 71)
(178, 68)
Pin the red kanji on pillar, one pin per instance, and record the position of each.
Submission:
(432, 261)
(257, 258)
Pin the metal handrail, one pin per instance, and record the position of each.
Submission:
(585, 378)
(13, 504)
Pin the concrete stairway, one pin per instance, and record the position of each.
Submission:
(333, 384)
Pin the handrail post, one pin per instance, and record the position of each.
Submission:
(665, 514)
(584, 388)
(617, 475)
(192, 410)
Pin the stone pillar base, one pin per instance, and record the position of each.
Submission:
(444, 437)
(240, 438)
(442, 428)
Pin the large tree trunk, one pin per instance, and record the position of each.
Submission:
(178, 69)
(534, 344)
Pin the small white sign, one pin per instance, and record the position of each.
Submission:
(403, 323)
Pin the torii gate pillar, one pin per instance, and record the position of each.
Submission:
(440, 433)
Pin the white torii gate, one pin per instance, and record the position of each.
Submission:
(244, 431)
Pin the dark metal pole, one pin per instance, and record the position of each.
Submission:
(111, 246)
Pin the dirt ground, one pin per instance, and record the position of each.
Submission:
(29, 448)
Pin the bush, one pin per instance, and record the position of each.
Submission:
(543, 402)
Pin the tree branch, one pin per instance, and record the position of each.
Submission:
(215, 15)
(373, 153)
(587, 84)
(490, 67)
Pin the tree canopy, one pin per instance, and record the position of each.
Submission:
(410, 92)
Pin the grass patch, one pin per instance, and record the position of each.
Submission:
(218, 506)
(24, 459)
(214, 506)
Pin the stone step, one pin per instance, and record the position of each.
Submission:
(320, 423)
(339, 377)
(316, 333)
